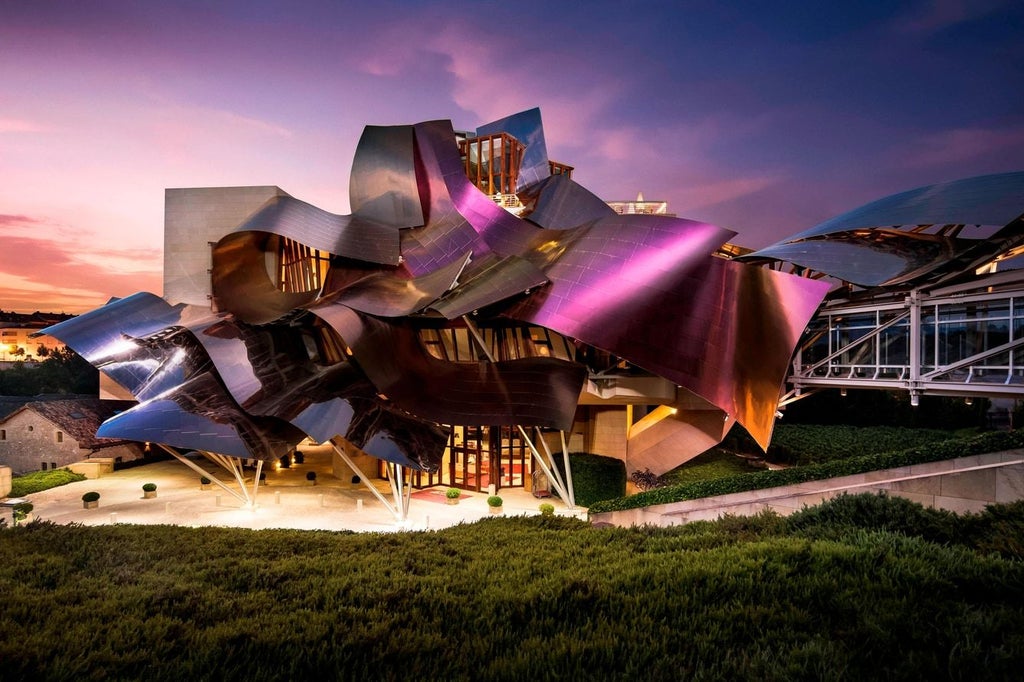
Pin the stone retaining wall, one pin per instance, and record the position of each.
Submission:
(966, 484)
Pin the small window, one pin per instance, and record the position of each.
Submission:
(60, 436)
(3, 434)
(53, 465)
(31, 428)
(44, 466)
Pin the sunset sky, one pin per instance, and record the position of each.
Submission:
(765, 118)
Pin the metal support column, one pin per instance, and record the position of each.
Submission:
(242, 497)
(376, 493)
(565, 494)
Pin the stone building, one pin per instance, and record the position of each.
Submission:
(50, 432)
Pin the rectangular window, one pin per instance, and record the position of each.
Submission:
(44, 466)
(3, 434)
(60, 436)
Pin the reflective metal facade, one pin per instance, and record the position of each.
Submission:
(929, 234)
(425, 249)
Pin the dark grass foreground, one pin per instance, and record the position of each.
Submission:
(860, 588)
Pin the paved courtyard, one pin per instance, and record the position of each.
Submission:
(288, 500)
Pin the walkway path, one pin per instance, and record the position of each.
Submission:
(287, 501)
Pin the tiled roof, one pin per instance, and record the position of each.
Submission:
(78, 417)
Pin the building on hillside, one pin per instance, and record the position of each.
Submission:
(17, 343)
(52, 432)
(641, 206)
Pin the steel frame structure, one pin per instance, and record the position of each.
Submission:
(964, 339)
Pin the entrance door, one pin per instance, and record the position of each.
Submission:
(512, 454)
(467, 462)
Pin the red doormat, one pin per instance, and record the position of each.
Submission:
(436, 495)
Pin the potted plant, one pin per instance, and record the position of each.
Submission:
(547, 509)
(494, 504)
(91, 500)
(148, 491)
(311, 477)
(22, 512)
(286, 461)
(204, 483)
(299, 457)
(453, 495)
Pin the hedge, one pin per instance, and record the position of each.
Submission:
(594, 477)
(737, 599)
(38, 481)
(930, 452)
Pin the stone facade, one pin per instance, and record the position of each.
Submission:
(43, 435)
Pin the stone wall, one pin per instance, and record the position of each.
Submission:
(27, 440)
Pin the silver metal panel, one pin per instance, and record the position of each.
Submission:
(529, 392)
(558, 203)
(865, 246)
(351, 236)
(501, 279)
(382, 186)
(526, 127)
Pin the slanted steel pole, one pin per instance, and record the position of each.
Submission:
(556, 482)
(243, 498)
(351, 465)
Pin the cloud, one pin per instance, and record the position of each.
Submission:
(42, 273)
(7, 221)
(16, 125)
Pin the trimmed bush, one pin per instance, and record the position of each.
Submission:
(594, 477)
(299, 457)
(91, 496)
(286, 461)
(547, 509)
(311, 476)
(931, 452)
(38, 481)
(494, 501)
(203, 480)
(149, 487)
(453, 493)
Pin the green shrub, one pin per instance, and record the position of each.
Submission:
(38, 481)
(697, 601)
(299, 457)
(310, 475)
(547, 509)
(594, 477)
(802, 444)
(494, 501)
(149, 487)
(931, 452)
(91, 496)
(453, 493)
(875, 511)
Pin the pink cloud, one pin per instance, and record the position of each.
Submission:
(936, 15)
(48, 274)
(15, 125)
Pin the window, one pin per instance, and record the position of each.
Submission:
(60, 436)
(31, 428)
(44, 466)
(3, 434)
